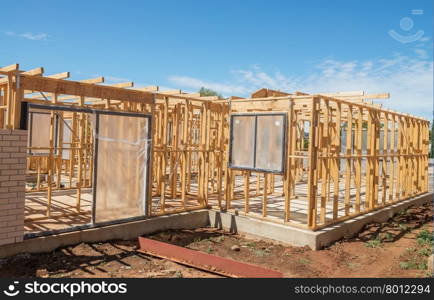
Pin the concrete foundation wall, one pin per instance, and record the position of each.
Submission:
(123, 231)
(201, 218)
(13, 145)
(302, 237)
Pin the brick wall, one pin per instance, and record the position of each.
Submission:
(12, 185)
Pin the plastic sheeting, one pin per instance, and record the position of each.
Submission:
(39, 125)
(67, 138)
(270, 143)
(243, 141)
(122, 160)
(258, 142)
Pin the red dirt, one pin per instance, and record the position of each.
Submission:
(390, 249)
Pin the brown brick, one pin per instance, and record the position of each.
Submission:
(8, 229)
(9, 149)
(5, 194)
(19, 144)
(8, 219)
(8, 172)
(4, 235)
(20, 132)
(10, 161)
(15, 212)
(14, 234)
(5, 155)
(18, 177)
(7, 206)
(19, 203)
(13, 161)
(18, 155)
(19, 222)
(4, 178)
(5, 131)
(7, 241)
(11, 138)
(17, 166)
(16, 188)
(8, 184)
(22, 160)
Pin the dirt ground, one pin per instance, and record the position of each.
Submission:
(397, 248)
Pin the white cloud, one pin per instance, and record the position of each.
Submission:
(29, 35)
(409, 80)
(421, 53)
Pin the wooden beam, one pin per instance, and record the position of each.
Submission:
(268, 93)
(152, 88)
(355, 96)
(65, 98)
(34, 72)
(170, 92)
(63, 75)
(123, 84)
(193, 95)
(75, 88)
(93, 80)
(13, 67)
(209, 98)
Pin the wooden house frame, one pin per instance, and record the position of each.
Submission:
(327, 178)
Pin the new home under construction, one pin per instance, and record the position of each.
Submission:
(84, 156)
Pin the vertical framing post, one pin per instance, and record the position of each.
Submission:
(325, 139)
(336, 161)
(359, 143)
(392, 155)
(288, 171)
(348, 153)
(385, 157)
(246, 191)
(312, 165)
(264, 196)
(151, 152)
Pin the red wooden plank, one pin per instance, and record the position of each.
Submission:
(204, 261)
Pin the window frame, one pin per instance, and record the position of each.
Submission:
(31, 113)
(284, 142)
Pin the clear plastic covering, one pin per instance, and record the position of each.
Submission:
(67, 138)
(258, 142)
(243, 141)
(39, 125)
(122, 161)
(270, 143)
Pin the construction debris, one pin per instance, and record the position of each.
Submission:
(204, 261)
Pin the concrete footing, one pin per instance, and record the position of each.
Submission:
(123, 231)
(202, 218)
(301, 237)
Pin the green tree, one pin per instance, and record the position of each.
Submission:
(204, 92)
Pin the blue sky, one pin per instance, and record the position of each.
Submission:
(233, 46)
